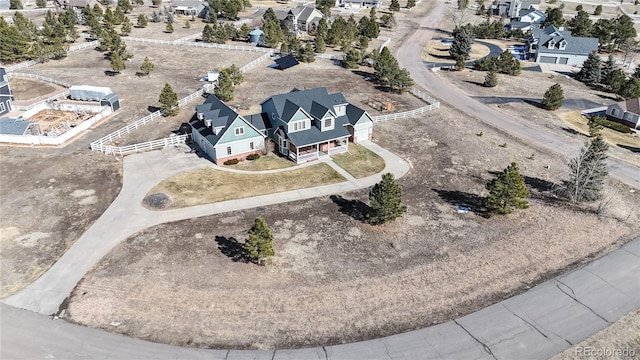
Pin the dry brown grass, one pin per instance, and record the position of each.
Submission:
(265, 162)
(209, 185)
(26, 89)
(359, 161)
(621, 335)
(435, 51)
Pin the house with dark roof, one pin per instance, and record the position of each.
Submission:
(300, 18)
(310, 124)
(356, 4)
(11, 126)
(194, 8)
(551, 45)
(626, 112)
(512, 8)
(6, 96)
(223, 134)
(527, 19)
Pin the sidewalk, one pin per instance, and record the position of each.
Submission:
(126, 216)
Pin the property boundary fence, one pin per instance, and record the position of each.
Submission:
(198, 44)
(386, 42)
(39, 103)
(433, 104)
(70, 49)
(147, 146)
(43, 78)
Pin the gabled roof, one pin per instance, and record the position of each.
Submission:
(259, 121)
(535, 13)
(305, 99)
(313, 135)
(631, 105)
(215, 110)
(12, 126)
(354, 114)
(187, 3)
(575, 45)
(318, 111)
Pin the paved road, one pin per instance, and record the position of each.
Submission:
(126, 216)
(568, 104)
(408, 55)
(535, 325)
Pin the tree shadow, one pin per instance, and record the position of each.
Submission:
(608, 97)
(152, 108)
(630, 148)
(362, 73)
(111, 73)
(231, 248)
(475, 83)
(354, 208)
(475, 203)
(535, 103)
(539, 184)
(571, 131)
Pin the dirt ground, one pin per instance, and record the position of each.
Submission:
(622, 335)
(336, 279)
(28, 89)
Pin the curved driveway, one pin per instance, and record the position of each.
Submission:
(409, 56)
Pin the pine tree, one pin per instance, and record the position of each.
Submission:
(15, 5)
(169, 101)
(553, 97)
(598, 10)
(587, 172)
(508, 65)
(207, 33)
(607, 69)
(224, 87)
(411, 3)
(320, 46)
(617, 80)
(41, 3)
(631, 88)
(187, 24)
(147, 66)
(259, 245)
(125, 5)
(507, 191)
(244, 32)
(308, 55)
(491, 79)
(108, 17)
(352, 59)
(385, 200)
(117, 64)
(591, 70)
(125, 30)
(594, 125)
(461, 44)
(118, 16)
(169, 28)
(394, 6)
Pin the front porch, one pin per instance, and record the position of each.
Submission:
(318, 151)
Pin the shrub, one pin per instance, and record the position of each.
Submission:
(612, 124)
(231, 162)
(253, 156)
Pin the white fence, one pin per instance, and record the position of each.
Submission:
(329, 56)
(385, 43)
(55, 140)
(83, 46)
(151, 145)
(22, 65)
(256, 61)
(43, 78)
(198, 44)
(40, 103)
(70, 49)
(433, 104)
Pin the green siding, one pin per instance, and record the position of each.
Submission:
(230, 134)
(299, 115)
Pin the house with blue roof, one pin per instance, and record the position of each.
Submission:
(304, 125)
(551, 45)
(223, 134)
(14, 126)
(6, 96)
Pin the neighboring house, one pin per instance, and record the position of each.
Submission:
(73, 4)
(223, 134)
(190, 7)
(527, 20)
(10, 126)
(300, 18)
(304, 125)
(512, 8)
(625, 112)
(554, 46)
(5, 5)
(359, 3)
(310, 124)
(6, 96)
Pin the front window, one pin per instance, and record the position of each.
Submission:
(240, 131)
(228, 150)
(251, 146)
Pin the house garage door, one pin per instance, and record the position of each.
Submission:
(361, 134)
(563, 60)
(548, 59)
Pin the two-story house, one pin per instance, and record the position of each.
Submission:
(527, 20)
(300, 18)
(556, 46)
(625, 112)
(223, 134)
(6, 96)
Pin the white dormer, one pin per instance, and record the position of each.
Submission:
(217, 129)
(200, 116)
(563, 45)
(340, 109)
(551, 44)
(327, 123)
(207, 122)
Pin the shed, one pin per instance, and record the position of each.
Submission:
(255, 36)
(110, 100)
(13, 126)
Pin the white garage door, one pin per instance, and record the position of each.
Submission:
(361, 134)
(548, 59)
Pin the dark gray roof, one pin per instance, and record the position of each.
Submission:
(215, 110)
(575, 45)
(354, 114)
(318, 111)
(187, 3)
(12, 126)
(259, 121)
(313, 135)
(305, 99)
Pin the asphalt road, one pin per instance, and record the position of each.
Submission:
(408, 55)
(534, 325)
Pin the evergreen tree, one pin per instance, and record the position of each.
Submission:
(147, 66)
(385, 200)
(259, 245)
(125, 5)
(352, 59)
(224, 87)
(394, 6)
(388, 20)
(598, 10)
(594, 125)
(412, 3)
(401, 81)
(587, 172)
(363, 43)
(631, 88)
(507, 191)
(207, 33)
(187, 24)
(169, 101)
(607, 69)
(269, 15)
(553, 97)
(320, 46)
(461, 44)
(169, 28)
(108, 17)
(142, 21)
(244, 32)
(15, 5)
(591, 70)
(491, 79)
(14, 45)
(308, 55)
(617, 80)
(273, 34)
(41, 3)
(322, 29)
(554, 17)
(125, 30)
(336, 31)
(118, 16)
(234, 73)
(580, 25)
(508, 65)
(460, 63)
(117, 64)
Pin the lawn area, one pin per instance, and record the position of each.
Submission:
(579, 123)
(209, 185)
(359, 161)
(268, 162)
